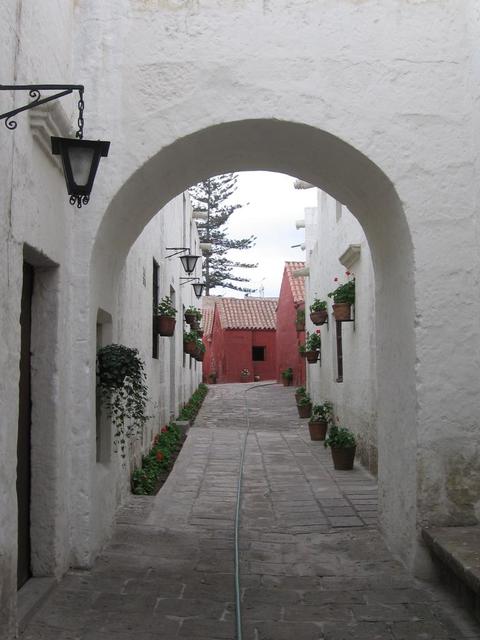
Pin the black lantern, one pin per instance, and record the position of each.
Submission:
(189, 263)
(80, 159)
(198, 288)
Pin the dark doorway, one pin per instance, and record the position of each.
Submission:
(24, 430)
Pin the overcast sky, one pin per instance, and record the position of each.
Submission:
(273, 207)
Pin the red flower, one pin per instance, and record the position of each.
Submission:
(318, 331)
(335, 279)
(347, 273)
(159, 456)
(164, 429)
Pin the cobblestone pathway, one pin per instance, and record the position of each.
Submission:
(313, 565)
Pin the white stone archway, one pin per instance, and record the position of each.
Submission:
(326, 161)
(190, 88)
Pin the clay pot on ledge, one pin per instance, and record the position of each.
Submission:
(342, 311)
(164, 325)
(304, 410)
(343, 458)
(312, 356)
(318, 429)
(319, 317)
(190, 317)
(189, 347)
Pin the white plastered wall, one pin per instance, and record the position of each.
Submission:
(330, 229)
(171, 227)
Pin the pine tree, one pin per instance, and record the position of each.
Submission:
(210, 196)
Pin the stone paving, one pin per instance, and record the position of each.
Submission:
(313, 565)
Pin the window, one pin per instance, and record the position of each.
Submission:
(155, 301)
(339, 352)
(258, 354)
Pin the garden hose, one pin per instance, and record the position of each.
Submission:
(238, 605)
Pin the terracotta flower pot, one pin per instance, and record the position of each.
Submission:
(195, 325)
(164, 325)
(190, 317)
(286, 382)
(189, 347)
(300, 326)
(201, 356)
(304, 410)
(318, 430)
(342, 311)
(319, 317)
(343, 458)
(312, 356)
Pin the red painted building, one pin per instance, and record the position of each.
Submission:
(292, 298)
(241, 336)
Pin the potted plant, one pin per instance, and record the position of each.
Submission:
(195, 324)
(199, 350)
(164, 318)
(190, 315)
(319, 420)
(343, 297)
(300, 320)
(244, 375)
(299, 392)
(189, 342)
(312, 347)
(123, 393)
(287, 376)
(304, 406)
(212, 377)
(302, 350)
(318, 311)
(343, 445)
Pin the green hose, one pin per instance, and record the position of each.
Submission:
(238, 605)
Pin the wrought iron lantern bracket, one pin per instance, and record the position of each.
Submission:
(34, 92)
(177, 251)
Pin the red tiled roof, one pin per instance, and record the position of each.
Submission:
(207, 320)
(247, 313)
(297, 284)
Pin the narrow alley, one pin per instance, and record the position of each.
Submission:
(313, 565)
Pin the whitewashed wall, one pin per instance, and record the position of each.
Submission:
(329, 231)
(172, 377)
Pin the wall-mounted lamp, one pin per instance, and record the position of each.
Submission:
(80, 158)
(188, 261)
(198, 287)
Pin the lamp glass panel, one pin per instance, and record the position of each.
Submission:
(81, 159)
(198, 289)
(189, 262)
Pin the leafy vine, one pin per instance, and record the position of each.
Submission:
(123, 392)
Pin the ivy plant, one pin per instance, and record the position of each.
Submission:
(123, 392)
